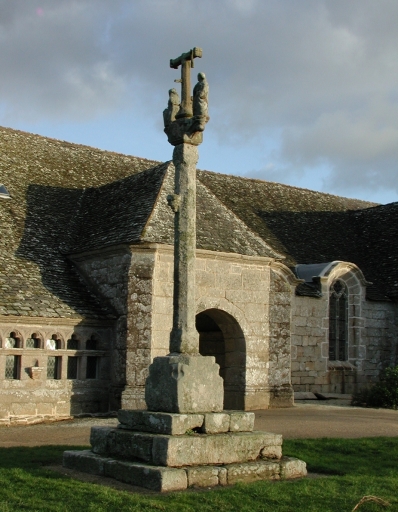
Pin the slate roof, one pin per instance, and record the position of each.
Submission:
(377, 249)
(115, 213)
(135, 209)
(217, 228)
(68, 198)
(311, 227)
(45, 179)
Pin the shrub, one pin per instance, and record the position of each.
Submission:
(383, 394)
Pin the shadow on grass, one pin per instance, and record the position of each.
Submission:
(33, 457)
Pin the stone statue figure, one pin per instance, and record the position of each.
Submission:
(200, 102)
(169, 113)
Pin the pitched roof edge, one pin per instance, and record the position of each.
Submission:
(153, 163)
(248, 178)
(275, 254)
(167, 164)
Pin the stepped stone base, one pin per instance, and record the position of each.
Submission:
(160, 478)
(168, 451)
(185, 450)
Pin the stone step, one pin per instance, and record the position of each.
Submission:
(185, 450)
(179, 424)
(161, 479)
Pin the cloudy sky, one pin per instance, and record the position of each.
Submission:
(303, 92)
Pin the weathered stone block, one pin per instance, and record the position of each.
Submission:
(251, 472)
(121, 443)
(184, 384)
(216, 423)
(159, 422)
(205, 476)
(271, 452)
(241, 421)
(176, 451)
(151, 477)
(99, 439)
(292, 468)
(85, 461)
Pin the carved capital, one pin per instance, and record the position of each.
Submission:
(186, 130)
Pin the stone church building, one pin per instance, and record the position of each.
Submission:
(296, 290)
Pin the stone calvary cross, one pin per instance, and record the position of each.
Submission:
(184, 439)
(184, 381)
(184, 337)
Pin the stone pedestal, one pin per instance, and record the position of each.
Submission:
(184, 383)
(168, 451)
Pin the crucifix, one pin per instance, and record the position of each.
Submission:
(183, 127)
(184, 381)
(186, 61)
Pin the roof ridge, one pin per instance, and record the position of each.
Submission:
(76, 144)
(294, 187)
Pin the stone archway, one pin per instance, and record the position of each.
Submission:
(221, 336)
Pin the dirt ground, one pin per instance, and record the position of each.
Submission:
(307, 419)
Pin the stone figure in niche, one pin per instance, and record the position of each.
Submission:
(200, 102)
(169, 113)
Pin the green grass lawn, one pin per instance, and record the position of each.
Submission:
(349, 469)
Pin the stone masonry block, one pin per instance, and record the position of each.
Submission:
(251, 472)
(271, 452)
(216, 423)
(241, 421)
(184, 384)
(205, 476)
(292, 468)
(99, 438)
(151, 477)
(159, 422)
(122, 443)
(191, 450)
(85, 461)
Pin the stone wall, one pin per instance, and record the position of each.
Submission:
(141, 307)
(234, 291)
(279, 381)
(106, 273)
(372, 338)
(30, 394)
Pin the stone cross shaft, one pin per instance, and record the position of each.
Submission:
(186, 62)
(184, 337)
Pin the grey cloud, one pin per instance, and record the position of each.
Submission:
(319, 76)
(52, 62)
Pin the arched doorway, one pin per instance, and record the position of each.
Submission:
(221, 336)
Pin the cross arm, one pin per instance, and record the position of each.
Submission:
(195, 52)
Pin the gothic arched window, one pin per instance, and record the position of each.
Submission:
(338, 321)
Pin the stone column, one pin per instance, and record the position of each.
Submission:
(184, 381)
(184, 337)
